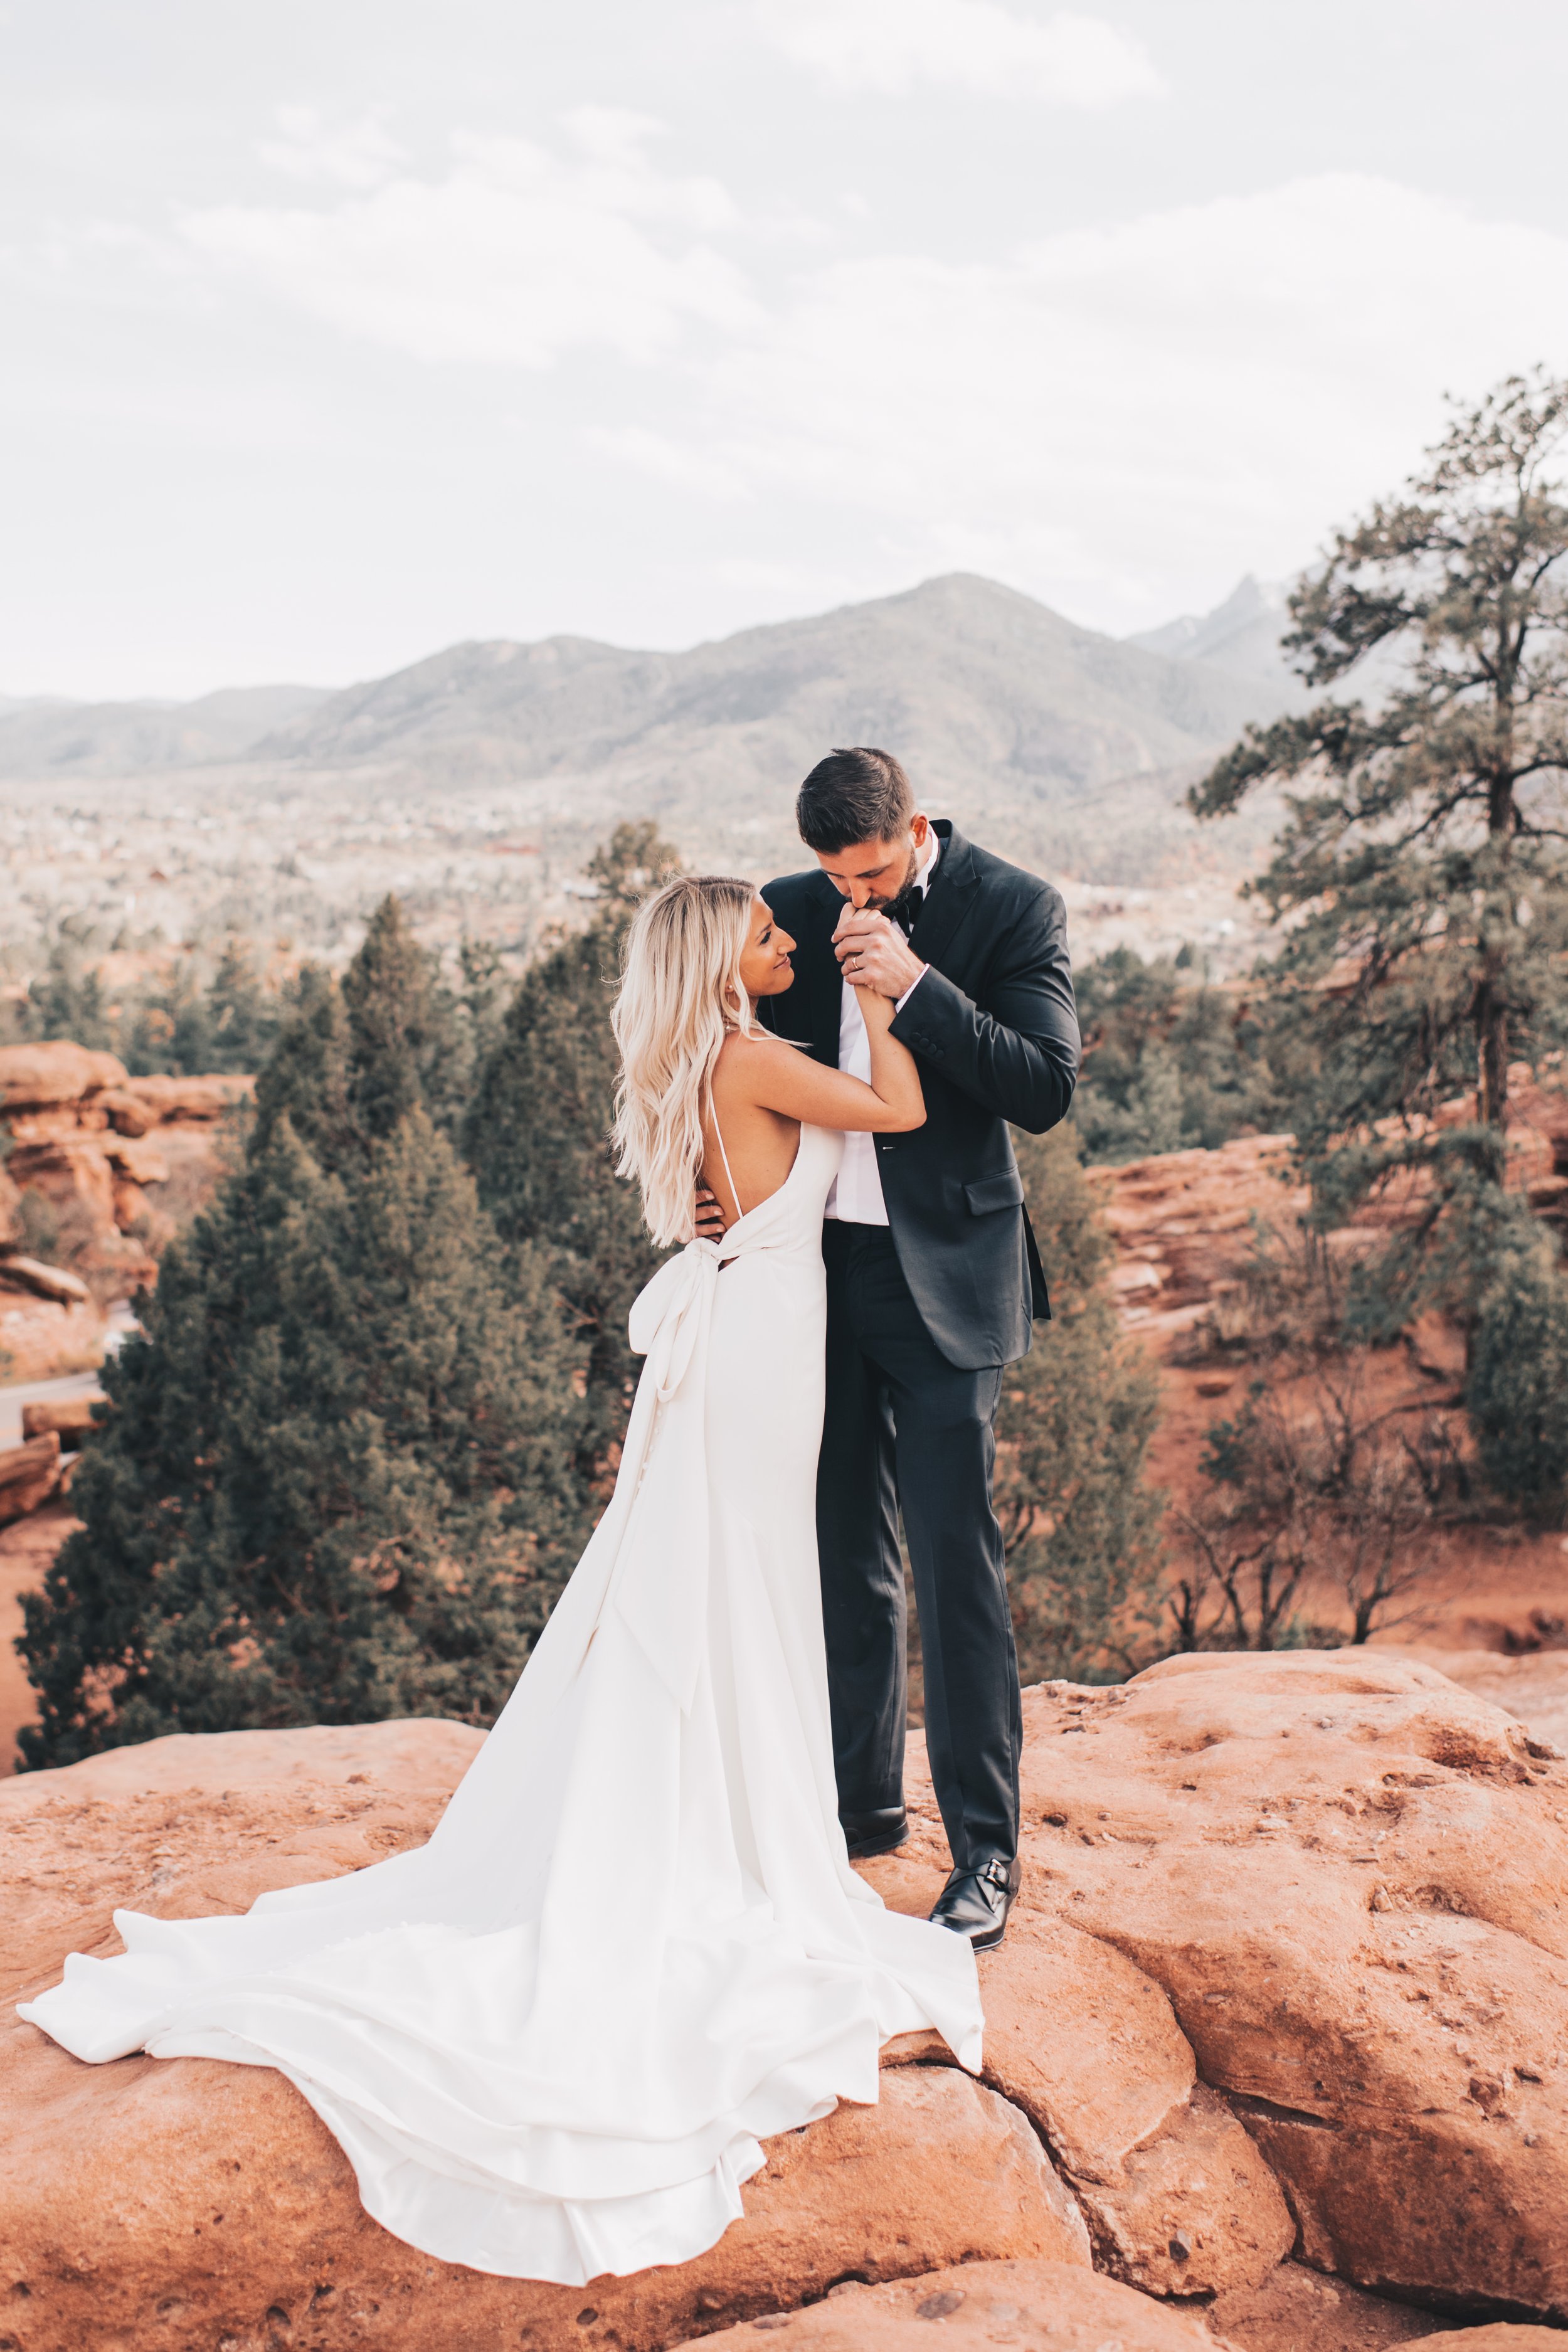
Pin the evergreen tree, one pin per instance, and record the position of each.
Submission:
(409, 1042)
(537, 1134)
(240, 1017)
(1169, 1063)
(66, 1000)
(1421, 877)
(305, 1078)
(1517, 1393)
(336, 1482)
(1081, 1525)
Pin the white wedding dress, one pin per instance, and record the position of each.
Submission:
(550, 2039)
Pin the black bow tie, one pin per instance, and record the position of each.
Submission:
(905, 909)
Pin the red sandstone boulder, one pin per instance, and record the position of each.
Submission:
(39, 1340)
(1351, 1880)
(74, 1418)
(60, 1072)
(215, 2195)
(1298, 2310)
(29, 1473)
(72, 1172)
(1293, 1935)
(44, 1281)
(1501, 2339)
(136, 1162)
(216, 2200)
(171, 1102)
(1036, 2306)
(1177, 2199)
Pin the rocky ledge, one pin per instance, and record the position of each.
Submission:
(1276, 2056)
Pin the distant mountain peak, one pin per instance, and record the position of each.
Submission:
(1240, 636)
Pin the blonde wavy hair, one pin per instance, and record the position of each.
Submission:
(681, 996)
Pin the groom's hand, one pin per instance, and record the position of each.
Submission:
(874, 953)
(709, 1216)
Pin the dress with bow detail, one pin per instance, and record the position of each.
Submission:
(550, 2039)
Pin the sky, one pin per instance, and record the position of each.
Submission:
(339, 331)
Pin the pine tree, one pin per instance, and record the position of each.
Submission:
(1081, 1525)
(305, 1078)
(1420, 879)
(537, 1135)
(1169, 1063)
(337, 1480)
(66, 1000)
(409, 1039)
(1516, 1391)
(241, 1016)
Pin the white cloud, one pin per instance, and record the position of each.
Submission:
(665, 460)
(514, 255)
(1107, 414)
(349, 155)
(888, 46)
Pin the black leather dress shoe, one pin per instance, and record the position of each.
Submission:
(975, 1903)
(879, 1833)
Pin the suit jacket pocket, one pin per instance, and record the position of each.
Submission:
(989, 1193)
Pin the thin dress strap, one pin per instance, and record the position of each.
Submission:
(719, 1132)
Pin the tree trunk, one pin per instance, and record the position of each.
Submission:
(1491, 1042)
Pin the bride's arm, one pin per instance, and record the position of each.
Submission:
(779, 1078)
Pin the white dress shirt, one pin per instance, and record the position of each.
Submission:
(856, 1195)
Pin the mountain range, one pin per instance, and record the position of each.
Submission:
(1057, 743)
(1241, 636)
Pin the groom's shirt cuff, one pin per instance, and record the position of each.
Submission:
(911, 988)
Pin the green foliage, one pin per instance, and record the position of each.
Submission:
(408, 1040)
(1420, 880)
(1079, 1523)
(537, 1135)
(337, 1482)
(229, 1026)
(66, 999)
(1169, 1065)
(1517, 1393)
(182, 1025)
(305, 1079)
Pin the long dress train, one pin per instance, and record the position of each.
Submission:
(550, 2039)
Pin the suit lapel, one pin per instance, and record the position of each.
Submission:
(810, 1013)
(826, 984)
(947, 900)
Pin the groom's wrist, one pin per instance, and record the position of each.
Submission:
(900, 1001)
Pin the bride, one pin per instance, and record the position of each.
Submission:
(550, 2039)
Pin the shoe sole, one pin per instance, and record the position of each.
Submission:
(864, 1852)
(988, 1943)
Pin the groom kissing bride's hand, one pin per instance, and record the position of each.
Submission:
(933, 1282)
(553, 2040)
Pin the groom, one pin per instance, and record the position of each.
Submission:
(934, 1282)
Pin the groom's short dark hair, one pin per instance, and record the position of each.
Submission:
(854, 795)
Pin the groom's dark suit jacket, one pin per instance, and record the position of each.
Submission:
(995, 1030)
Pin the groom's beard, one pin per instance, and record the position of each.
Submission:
(897, 903)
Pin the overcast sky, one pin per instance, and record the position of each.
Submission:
(340, 330)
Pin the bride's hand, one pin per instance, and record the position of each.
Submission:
(876, 1009)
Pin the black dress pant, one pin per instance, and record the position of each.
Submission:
(906, 1430)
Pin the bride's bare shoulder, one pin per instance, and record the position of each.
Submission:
(747, 1062)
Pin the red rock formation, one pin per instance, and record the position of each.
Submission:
(1185, 1225)
(101, 1149)
(1034, 2306)
(213, 2192)
(1290, 1968)
(29, 1475)
(27, 1548)
(32, 1076)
